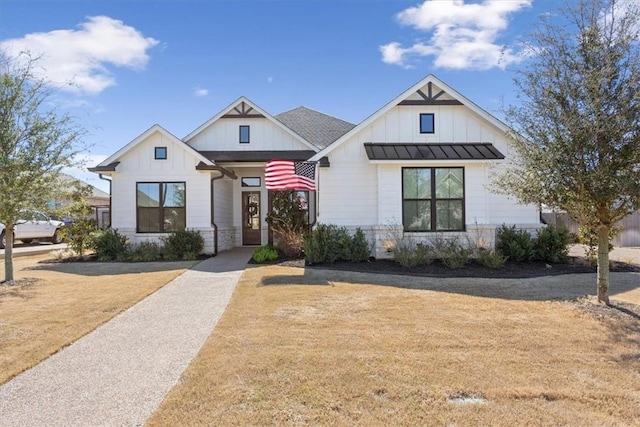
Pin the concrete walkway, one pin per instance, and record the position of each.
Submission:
(118, 374)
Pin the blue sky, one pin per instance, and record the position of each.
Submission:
(135, 63)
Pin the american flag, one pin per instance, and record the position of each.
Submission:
(288, 175)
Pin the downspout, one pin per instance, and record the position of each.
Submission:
(110, 197)
(213, 217)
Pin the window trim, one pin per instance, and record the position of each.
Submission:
(433, 123)
(243, 185)
(248, 134)
(156, 156)
(433, 200)
(160, 207)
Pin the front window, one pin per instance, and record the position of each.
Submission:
(244, 134)
(161, 207)
(427, 124)
(433, 199)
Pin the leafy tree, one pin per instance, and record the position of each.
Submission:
(78, 210)
(577, 124)
(35, 144)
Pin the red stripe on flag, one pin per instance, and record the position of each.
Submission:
(281, 175)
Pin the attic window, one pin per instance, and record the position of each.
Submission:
(160, 153)
(244, 134)
(427, 123)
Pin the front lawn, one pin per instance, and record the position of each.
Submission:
(318, 347)
(51, 305)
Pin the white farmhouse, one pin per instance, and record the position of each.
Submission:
(420, 165)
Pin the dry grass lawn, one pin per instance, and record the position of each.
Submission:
(54, 304)
(313, 347)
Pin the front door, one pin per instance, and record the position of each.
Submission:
(251, 218)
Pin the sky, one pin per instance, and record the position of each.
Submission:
(125, 65)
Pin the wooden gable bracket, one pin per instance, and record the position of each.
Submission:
(430, 99)
(243, 112)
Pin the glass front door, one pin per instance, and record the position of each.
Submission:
(251, 227)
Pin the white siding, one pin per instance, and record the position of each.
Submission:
(356, 192)
(223, 135)
(223, 202)
(139, 165)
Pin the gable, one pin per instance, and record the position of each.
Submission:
(456, 120)
(243, 126)
(140, 154)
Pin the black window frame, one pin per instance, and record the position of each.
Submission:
(433, 123)
(433, 201)
(244, 184)
(240, 139)
(158, 150)
(161, 209)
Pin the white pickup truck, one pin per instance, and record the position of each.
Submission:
(36, 225)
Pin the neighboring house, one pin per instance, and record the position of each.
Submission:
(420, 165)
(98, 200)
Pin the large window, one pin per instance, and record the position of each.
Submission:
(160, 207)
(433, 199)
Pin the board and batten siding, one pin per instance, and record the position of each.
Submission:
(139, 165)
(355, 192)
(223, 135)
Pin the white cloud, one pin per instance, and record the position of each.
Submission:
(462, 35)
(269, 79)
(77, 60)
(198, 91)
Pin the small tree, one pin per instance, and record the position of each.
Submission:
(79, 212)
(288, 221)
(35, 144)
(577, 144)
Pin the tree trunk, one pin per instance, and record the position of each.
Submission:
(8, 254)
(603, 264)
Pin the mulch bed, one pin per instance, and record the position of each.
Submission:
(511, 270)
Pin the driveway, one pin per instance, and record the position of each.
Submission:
(36, 248)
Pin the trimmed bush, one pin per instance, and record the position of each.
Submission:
(409, 254)
(452, 253)
(517, 245)
(144, 252)
(183, 245)
(360, 250)
(491, 259)
(265, 254)
(328, 243)
(552, 244)
(109, 245)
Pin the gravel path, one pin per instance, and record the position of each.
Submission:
(118, 374)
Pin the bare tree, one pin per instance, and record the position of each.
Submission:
(577, 123)
(35, 144)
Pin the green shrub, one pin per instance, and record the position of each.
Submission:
(517, 245)
(552, 244)
(183, 245)
(109, 245)
(491, 259)
(409, 254)
(144, 252)
(360, 250)
(451, 252)
(265, 254)
(328, 243)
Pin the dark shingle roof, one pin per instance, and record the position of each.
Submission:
(427, 151)
(318, 128)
